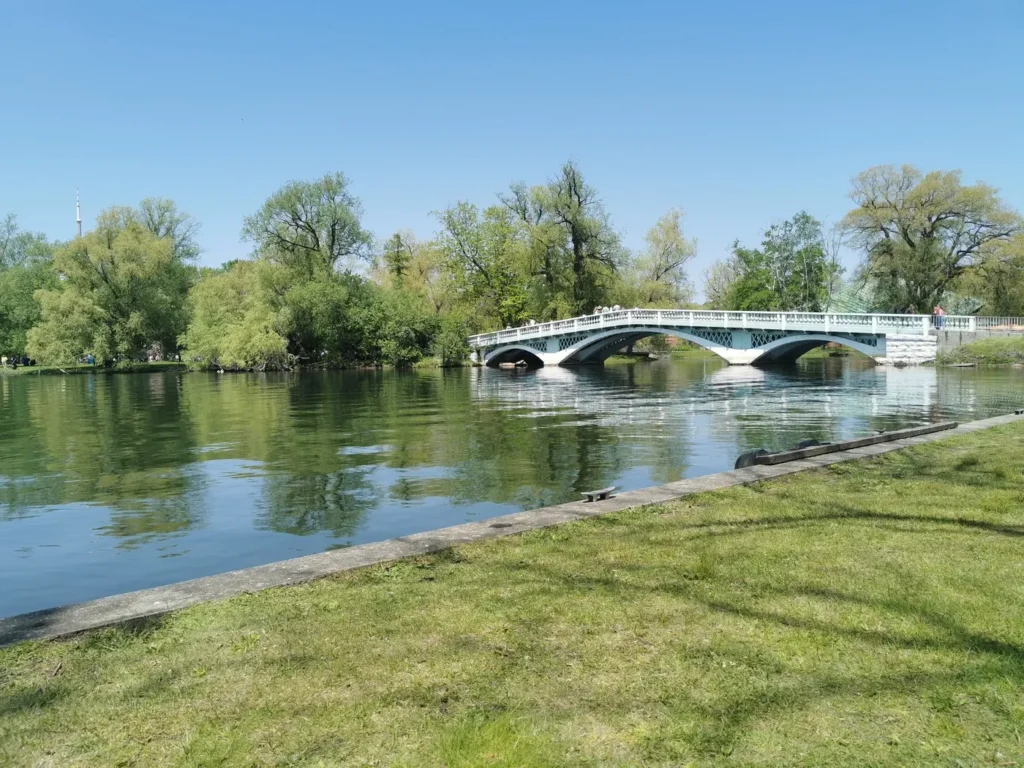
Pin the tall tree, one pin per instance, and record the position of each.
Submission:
(311, 231)
(121, 290)
(18, 246)
(659, 271)
(920, 232)
(161, 217)
(719, 280)
(547, 266)
(484, 254)
(25, 267)
(790, 271)
(997, 279)
(754, 289)
(312, 227)
(397, 255)
(593, 244)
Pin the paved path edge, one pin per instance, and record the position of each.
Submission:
(149, 603)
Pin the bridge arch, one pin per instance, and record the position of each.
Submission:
(600, 346)
(790, 348)
(513, 353)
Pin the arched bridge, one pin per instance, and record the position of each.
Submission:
(741, 338)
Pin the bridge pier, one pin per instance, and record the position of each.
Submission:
(902, 349)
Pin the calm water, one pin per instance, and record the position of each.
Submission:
(115, 483)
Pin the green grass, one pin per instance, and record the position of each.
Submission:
(871, 613)
(998, 351)
(628, 359)
(54, 370)
(691, 352)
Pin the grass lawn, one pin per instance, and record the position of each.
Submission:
(998, 351)
(628, 359)
(871, 613)
(687, 351)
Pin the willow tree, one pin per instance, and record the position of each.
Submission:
(658, 273)
(921, 232)
(121, 290)
(310, 226)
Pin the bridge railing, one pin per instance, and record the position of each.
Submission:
(822, 322)
(973, 323)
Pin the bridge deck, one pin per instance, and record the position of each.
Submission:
(779, 321)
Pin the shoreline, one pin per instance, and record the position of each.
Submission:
(175, 367)
(154, 602)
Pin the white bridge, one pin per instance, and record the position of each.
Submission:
(741, 338)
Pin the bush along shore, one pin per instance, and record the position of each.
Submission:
(870, 612)
(999, 351)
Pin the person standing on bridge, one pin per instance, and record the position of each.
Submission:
(939, 313)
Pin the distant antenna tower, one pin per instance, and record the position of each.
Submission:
(78, 213)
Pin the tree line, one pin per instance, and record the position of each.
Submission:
(320, 290)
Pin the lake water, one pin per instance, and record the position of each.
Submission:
(116, 483)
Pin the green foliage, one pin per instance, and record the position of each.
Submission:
(484, 255)
(26, 266)
(542, 252)
(122, 290)
(397, 255)
(753, 289)
(592, 244)
(162, 217)
(719, 279)
(233, 325)
(407, 329)
(922, 232)
(657, 277)
(310, 227)
(997, 279)
(449, 345)
(326, 317)
(792, 271)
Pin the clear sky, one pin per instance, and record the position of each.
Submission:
(742, 113)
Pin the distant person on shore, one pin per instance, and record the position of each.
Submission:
(939, 313)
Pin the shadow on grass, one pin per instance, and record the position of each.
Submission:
(39, 625)
(734, 527)
(724, 717)
(905, 625)
(32, 699)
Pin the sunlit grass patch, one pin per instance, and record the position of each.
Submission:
(870, 613)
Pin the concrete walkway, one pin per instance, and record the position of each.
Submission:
(147, 603)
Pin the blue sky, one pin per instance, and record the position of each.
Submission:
(741, 113)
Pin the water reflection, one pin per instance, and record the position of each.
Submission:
(121, 482)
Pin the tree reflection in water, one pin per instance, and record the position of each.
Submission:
(255, 467)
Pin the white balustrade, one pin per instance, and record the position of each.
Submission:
(784, 321)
